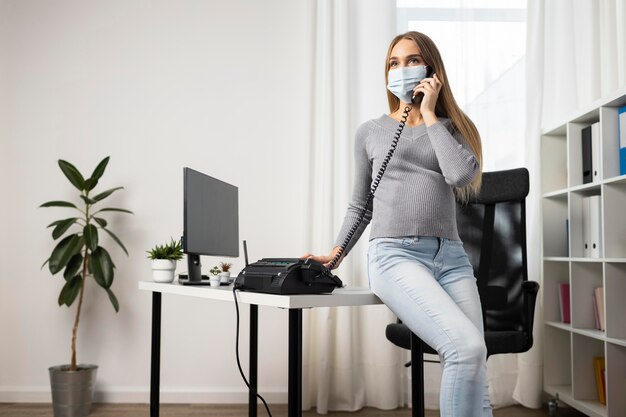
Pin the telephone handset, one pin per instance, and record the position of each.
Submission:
(429, 73)
(379, 176)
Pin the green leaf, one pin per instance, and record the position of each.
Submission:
(102, 222)
(72, 174)
(90, 184)
(115, 238)
(106, 193)
(115, 209)
(58, 204)
(64, 251)
(90, 233)
(73, 266)
(62, 227)
(102, 267)
(172, 251)
(88, 200)
(44, 264)
(113, 298)
(97, 173)
(70, 291)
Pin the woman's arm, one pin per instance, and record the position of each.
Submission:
(458, 163)
(362, 184)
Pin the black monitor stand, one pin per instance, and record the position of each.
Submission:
(194, 271)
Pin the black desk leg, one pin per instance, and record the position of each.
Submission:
(417, 376)
(155, 367)
(295, 363)
(254, 336)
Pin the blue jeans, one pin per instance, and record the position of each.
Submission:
(428, 282)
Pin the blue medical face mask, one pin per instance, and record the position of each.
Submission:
(402, 81)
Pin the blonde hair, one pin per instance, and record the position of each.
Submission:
(445, 107)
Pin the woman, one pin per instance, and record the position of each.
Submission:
(417, 264)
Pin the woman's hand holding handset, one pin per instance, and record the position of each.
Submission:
(325, 260)
(430, 87)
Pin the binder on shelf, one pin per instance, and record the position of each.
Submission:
(599, 296)
(586, 154)
(621, 128)
(592, 229)
(564, 303)
(596, 227)
(586, 227)
(599, 371)
(595, 152)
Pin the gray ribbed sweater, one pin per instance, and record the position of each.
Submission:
(415, 196)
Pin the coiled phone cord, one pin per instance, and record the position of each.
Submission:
(370, 196)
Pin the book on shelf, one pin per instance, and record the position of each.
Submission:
(596, 313)
(621, 128)
(600, 373)
(603, 381)
(564, 303)
(599, 298)
(567, 235)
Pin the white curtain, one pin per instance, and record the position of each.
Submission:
(347, 362)
(576, 53)
(584, 53)
(530, 364)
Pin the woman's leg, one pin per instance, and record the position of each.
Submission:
(456, 277)
(403, 274)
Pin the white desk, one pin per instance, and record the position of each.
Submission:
(294, 303)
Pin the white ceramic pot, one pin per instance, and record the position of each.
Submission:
(225, 277)
(214, 280)
(163, 270)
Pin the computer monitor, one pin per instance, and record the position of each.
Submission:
(210, 220)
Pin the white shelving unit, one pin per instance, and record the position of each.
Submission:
(570, 347)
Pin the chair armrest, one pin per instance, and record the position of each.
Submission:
(529, 290)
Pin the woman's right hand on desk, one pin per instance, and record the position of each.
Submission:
(325, 260)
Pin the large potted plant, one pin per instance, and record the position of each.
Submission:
(79, 255)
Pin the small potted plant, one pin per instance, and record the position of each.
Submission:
(214, 278)
(164, 259)
(225, 274)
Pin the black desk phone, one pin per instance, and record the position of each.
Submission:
(306, 276)
(287, 276)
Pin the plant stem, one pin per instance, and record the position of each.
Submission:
(73, 366)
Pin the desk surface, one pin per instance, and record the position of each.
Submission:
(357, 296)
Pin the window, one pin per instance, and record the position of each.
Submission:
(483, 45)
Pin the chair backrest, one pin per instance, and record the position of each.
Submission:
(492, 227)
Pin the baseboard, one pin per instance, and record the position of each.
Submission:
(175, 395)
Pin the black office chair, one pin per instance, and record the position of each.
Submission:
(493, 230)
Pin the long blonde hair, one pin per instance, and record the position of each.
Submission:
(445, 107)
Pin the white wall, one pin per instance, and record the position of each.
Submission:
(223, 87)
